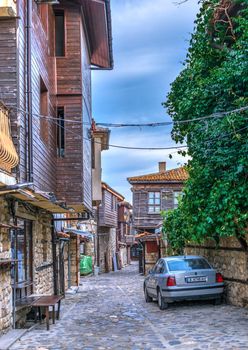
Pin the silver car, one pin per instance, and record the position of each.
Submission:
(178, 278)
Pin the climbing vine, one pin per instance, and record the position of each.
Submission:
(214, 79)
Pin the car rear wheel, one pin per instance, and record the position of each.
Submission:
(148, 299)
(161, 302)
(217, 301)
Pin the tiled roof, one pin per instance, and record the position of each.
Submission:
(106, 187)
(179, 174)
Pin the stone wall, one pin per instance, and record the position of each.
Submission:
(42, 254)
(5, 279)
(232, 261)
(66, 266)
(75, 258)
(107, 248)
(123, 256)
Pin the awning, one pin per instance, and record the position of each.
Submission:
(39, 199)
(81, 233)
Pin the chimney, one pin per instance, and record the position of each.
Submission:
(162, 167)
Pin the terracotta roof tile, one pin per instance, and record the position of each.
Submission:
(179, 174)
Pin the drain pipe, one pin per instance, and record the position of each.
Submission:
(55, 269)
(29, 88)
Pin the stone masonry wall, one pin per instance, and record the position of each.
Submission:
(42, 254)
(75, 258)
(107, 248)
(5, 279)
(123, 256)
(232, 261)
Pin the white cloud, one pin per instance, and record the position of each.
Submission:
(149, 44)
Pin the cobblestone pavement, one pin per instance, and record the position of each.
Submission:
(109, 312)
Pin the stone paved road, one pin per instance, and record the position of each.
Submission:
(109, 312)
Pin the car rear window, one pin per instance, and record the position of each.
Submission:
(188, 264)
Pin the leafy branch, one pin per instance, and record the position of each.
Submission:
(215, 201)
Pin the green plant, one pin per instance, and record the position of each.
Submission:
(215, 79)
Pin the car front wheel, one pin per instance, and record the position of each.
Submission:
(148, 299)
(161, 302)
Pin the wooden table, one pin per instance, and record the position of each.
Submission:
(46, 301)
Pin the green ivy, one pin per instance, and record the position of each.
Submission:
(215, 79)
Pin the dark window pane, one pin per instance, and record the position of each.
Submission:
(188, 264)
(60, 132)
(59, 33)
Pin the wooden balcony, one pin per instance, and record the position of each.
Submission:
(8, 155)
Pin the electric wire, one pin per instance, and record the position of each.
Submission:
(216, 115)
(153, 148)
(53, 119)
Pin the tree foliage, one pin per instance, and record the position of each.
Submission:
(215, 79)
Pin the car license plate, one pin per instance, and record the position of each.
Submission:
(196, 279)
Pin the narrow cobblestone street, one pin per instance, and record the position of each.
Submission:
(109, 312)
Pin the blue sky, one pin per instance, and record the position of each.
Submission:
(150, 41)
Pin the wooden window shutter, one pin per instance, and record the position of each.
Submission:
(167, 200)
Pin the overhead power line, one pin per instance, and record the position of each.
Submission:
(55, 120)
(211, 116)
(155, 148)
(216, 115)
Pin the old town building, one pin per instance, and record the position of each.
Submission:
(107, 238)
(153, 193)
(46, 55)
(125, 232)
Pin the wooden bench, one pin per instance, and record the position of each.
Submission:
(46, 301)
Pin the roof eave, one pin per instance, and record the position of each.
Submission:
(96, 32)
(156, 182)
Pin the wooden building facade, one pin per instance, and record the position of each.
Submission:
(46, 56)
(125, 232)
(107, 239)
(153, 193)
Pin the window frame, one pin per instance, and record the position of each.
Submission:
(44, 111)
(154, 205)
(160, 265)
(57, 13)
(23, 250)
(60, 126)
(176, 195)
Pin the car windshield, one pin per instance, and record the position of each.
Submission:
(188, 264)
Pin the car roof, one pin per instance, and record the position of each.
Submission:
(175, 257)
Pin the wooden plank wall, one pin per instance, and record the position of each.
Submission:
(43, 66)
(74, 171)
(68, 82)
(142, 219)
(107, 215)
(69, 168)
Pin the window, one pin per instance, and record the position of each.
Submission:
(177, 195)
(44, 124)
(59, 33)
(154, 202)
(188, 264)
(60, 132)
(160, 267)
(21, 249)
(113, 203)
(93, 158)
